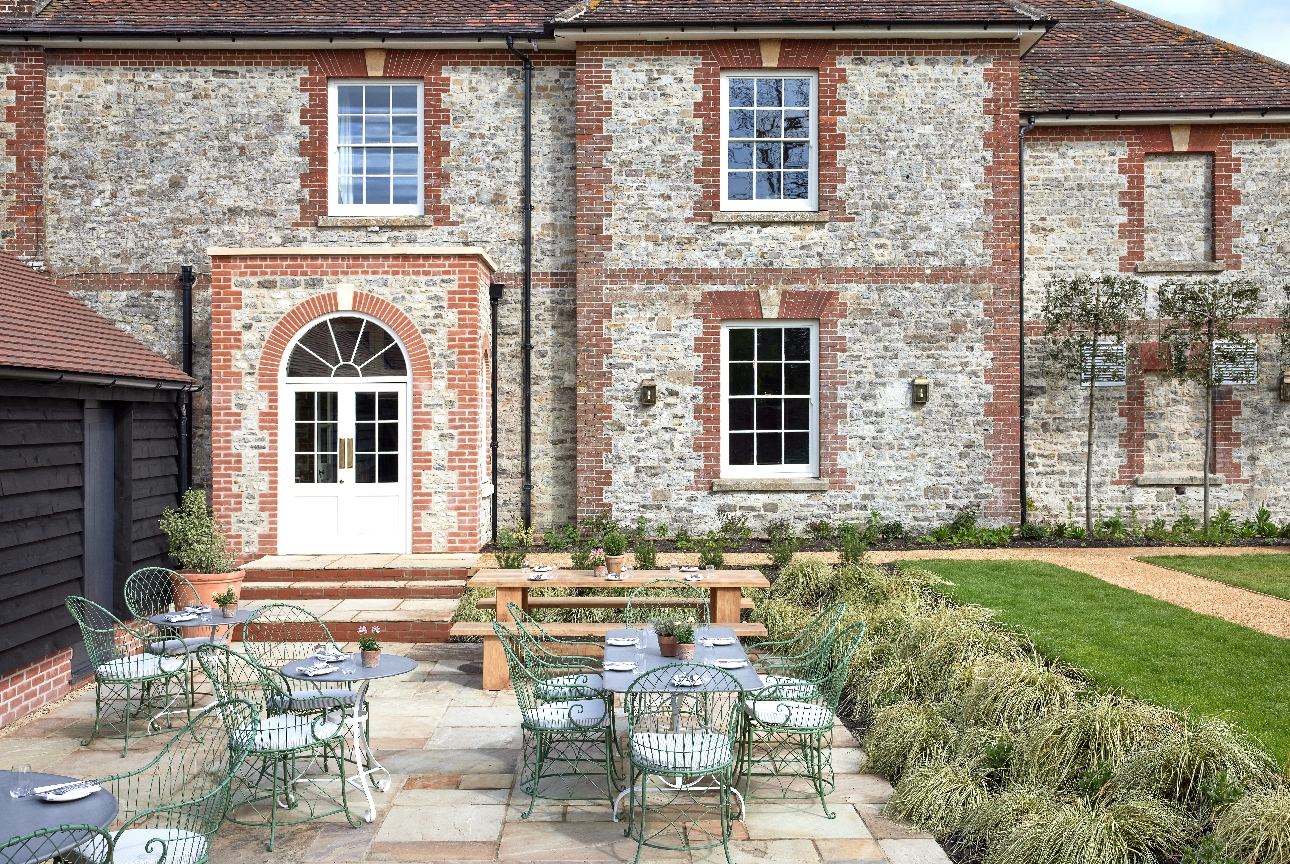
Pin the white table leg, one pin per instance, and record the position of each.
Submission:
(363, 757)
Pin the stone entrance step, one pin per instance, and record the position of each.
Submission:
(410, 597)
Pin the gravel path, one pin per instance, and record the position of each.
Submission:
(1257, 611)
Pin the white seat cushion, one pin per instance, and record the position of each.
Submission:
(181, 847)
(176, 646)
(790, 688)
(795, 715)
(573, 714)
(552, 687)
(139, 666)
(290, 731)
(682, 751)
(300, 699)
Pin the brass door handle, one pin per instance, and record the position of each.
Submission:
(347, 452)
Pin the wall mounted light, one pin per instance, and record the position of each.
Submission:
(648, 393)
(1285, 386)
(922, 391)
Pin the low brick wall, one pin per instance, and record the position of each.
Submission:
(34, 686)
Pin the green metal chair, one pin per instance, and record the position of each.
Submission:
(156, 591)
(86, 844)
(802, 658)
(169, 808)
(567, 729)
(290, 729)
(788, 727)
(585, 670)
(645, 601)
(277, 634)
(130, 681)
(686, 737)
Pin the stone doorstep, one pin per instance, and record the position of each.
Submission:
(310, 589)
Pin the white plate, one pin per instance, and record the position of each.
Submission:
(179, 618)
(719, 640)
(539, 577)
(620, 667)
(327, 657)
(694, 577)
(729, 663)
(621, 641)
(71, 795)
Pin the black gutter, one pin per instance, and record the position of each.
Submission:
(494, 301)
(49, 376)
(186, 280)
(526, 340)
(1021, 308)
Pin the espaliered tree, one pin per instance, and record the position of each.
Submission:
(1203, 342)
(1089, 320)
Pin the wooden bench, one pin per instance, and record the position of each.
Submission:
(605, 602)
(496, 676)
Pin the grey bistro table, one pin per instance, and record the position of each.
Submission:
(20, 816)
(618, 682)
(390, 665)
(216, 621)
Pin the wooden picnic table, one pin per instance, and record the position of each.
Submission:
(725, 600)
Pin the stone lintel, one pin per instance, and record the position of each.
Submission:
(374, 250)
(1179, 478)
(375, 221)
(770, 484)
(1181, 266)
(784, 217)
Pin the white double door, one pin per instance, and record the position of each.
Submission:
(344, 475)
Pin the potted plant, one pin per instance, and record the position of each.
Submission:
(197, 542)
(685, 640)
(227, 603)
(665, 630)
(370, 647)
(615, 551)
(598, 567)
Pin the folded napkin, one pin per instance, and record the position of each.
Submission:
(66, 791)
(622, 641)
(679, 680)
(617, 666)
(729, 663)
(694, 577)
(176, 617)
(199, 610)
(317, 669)
(689, 569)
(330, 656)
(543, 568)
(719, 640)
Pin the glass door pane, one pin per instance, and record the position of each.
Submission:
(316, 437)
(376, 437)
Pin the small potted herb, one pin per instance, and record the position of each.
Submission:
(665, 630)
(598, 567)
(615, 551)
(227, 603)
(685, 640)
(370, 647)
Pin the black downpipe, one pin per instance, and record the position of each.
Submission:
(1021, 307)
(494, 301)
(186, 279)
(526, 340)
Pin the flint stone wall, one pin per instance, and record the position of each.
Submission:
(8, 163)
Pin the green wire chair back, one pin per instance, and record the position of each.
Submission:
(236, 676)
(666, 594)
(684, 730)
(154, 590)
(186, 787)
(539, 684)
(533, 636)
(92, 845)
(279, 633)
(802, 655)
(111, 644)
(842, 649)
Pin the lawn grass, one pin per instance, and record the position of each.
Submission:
(1151, 649)
(1269, 574)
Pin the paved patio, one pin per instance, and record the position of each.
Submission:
(453, 748)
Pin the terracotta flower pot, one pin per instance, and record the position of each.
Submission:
(615, 563)
(208, 585)
(685, 651)
(667, 646)
(371, 659)
(600, 570)
(229, 611)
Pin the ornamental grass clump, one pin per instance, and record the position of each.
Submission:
(1256, 828)
(939, 795)
(1013, 693)
(1200, 757)
(905, 734)
(1118, 830)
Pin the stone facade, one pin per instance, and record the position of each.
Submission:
(1178, 206)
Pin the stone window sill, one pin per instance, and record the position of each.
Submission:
(1179, 478)
(1181, 266)
(770, 484)
(375, 222)
(779, 218)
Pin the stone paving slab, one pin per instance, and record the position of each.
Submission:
(453, 750)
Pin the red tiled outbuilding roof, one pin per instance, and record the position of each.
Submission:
(1105, 57)
(639, 13)
(44, 327)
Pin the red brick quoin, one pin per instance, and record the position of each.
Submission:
(236, 370)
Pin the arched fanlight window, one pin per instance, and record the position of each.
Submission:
(347, 347)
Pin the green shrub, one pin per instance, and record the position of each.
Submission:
(823, 531)
(646, 555)
(712, 550)
(196, 539)
(1106, 730)
(683, 541)
(1256, 829)
(613, 543)
(581, 556)
(851, 545)
(784, 543)
(810, 583)
(734, 531)
(513, 546)
(560, 539)
(1032, 531)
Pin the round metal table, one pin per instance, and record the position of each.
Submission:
(216, 621)
(20, 816)
(389, 666)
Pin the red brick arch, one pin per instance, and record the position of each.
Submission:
(420, 370)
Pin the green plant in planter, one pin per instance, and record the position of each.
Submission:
(684, 632)
(369, 641)
(665, 627)
(227, 598)
(712, 550)
(196, 539)
(646, 554)
(614, 543)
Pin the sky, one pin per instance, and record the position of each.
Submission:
(1260, 25)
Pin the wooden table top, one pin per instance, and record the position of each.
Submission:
(585, 579)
